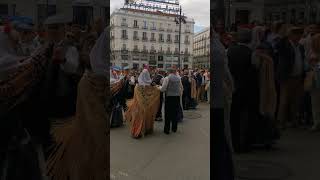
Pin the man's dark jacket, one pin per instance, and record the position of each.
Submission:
(287, 59)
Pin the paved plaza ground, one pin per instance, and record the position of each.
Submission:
(181, 156)
(296, 157)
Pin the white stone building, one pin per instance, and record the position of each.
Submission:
(141, 37)
(266, 11)
(201, 49)
(81, 11)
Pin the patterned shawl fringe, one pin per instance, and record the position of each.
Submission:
(142, 110)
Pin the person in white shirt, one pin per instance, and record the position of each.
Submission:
(173, 89)
(62, 76)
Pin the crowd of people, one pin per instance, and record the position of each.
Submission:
(140, 95)
(271, 82)
(54, 100)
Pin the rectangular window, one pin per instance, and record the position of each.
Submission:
(161, 37)
(135, 23)
(152, 35)
(144, 35)
(135, 34)
(124, 33)
(168, 37)
(145, 24)
(177, 38)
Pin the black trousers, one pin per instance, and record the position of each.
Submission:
(222, 162)
(159, 113)
(172, 103)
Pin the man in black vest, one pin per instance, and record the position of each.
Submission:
(157, 80)
(291, 76)
(186, 96)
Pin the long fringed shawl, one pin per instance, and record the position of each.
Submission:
(82, 144)
(142, 110)
(193, 88)
(24, 78)
(268, 95)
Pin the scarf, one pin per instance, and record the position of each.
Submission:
(268, 95)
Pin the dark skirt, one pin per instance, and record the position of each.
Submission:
(116, 116)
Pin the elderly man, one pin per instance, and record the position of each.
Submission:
(222, 146)
(158, 79)
(239, 57)
(172, 87)
(291, 76)
(63, 69)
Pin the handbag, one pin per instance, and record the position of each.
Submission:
(308, 81)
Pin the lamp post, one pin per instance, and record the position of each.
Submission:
(179, 20)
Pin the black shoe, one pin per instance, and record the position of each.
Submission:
(166, 132)
(174, 131)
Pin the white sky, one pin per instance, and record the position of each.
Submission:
(199, 10)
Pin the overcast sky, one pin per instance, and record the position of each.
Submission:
(199, 10)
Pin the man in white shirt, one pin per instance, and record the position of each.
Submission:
(172, 87)
(62, 74)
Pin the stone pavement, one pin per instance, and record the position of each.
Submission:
(296, 157)
(181, 156)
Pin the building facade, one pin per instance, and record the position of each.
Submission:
(80, 11)
(140, 37)
(245, 11)
(201, 49)
(267, 11)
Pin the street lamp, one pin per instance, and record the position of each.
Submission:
(47, 8)
(179, 20)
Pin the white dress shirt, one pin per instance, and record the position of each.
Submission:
(72, 60)
(165, 82)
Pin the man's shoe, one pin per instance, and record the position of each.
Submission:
(166, 132)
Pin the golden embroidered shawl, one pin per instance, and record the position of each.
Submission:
(268, 95)
(82, 144)
(142, 110)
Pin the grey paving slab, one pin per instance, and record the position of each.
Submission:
(184, 155)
